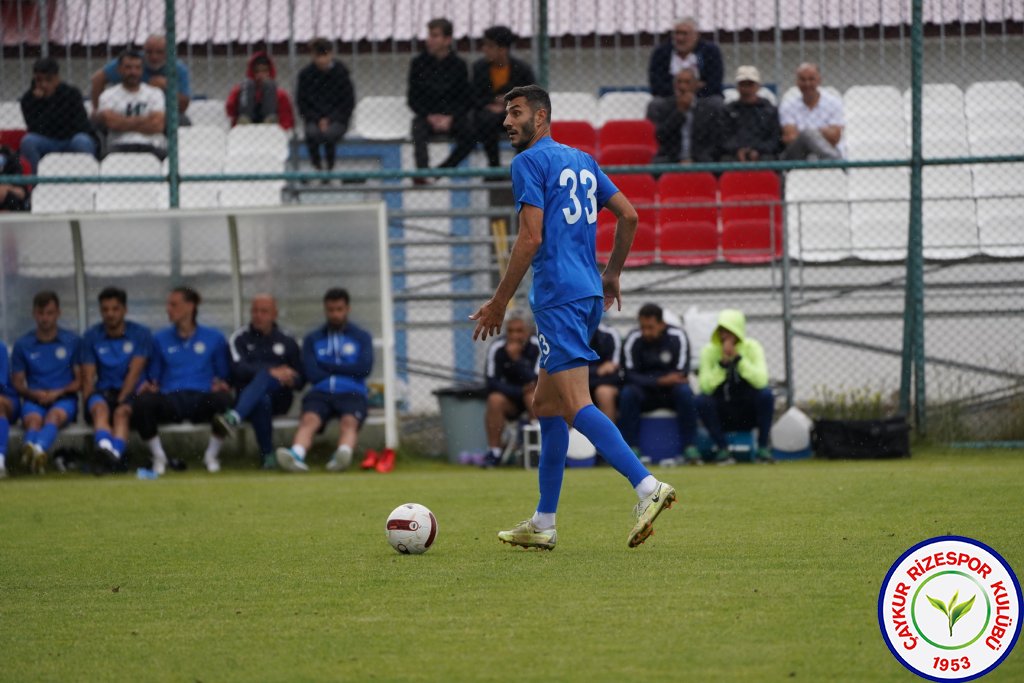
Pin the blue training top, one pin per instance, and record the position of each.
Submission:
(570, 188)
(338, 361)
(191, 364)
(47, 365)
(6, 388)
(112, 355)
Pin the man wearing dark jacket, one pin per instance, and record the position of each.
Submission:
(266, 370)
(493, 76)
(54, 115)
(688, 129)
(656, 357)
(513, 363)
(751, 123)
(686, 50)
(326, 99)
(438, 90)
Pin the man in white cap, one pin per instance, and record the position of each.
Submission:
(751, 123)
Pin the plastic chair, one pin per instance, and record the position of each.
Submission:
(638, 132)
(382, 118)
(994, 96)
(621, 105)
(879, 213)
(131, 196)
(78, 197)
(999, 232)
(936, 97)
(998, 180)
(252, 192)
(986, 125)
(200, 194)
(641, 191)
(12, 137)
(950, 229)
(573, 106)
(871, 101)
(202, 141)
(261, 140)
(688, 232)
(751, 216)
(624, 155)
(578, 134)
(817, 215)
(10, 116)
(208, 113)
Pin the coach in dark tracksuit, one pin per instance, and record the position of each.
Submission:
(266, 370)
(606, 371)
(656, 357)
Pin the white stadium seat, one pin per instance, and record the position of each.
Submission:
(871, 101)
(131, 196)
(10, 116)
(252, 192)
(208, 113)
(66, 198)
(950, 223)
(818, 216)
(994, 96)
(879, 213)
(258, 140)
(985, 128)
(201, 140)
(998, 180)
(199, 195)
(936, 97)
(574, 106)
(382, 118)
(999, 230)
(622, 105)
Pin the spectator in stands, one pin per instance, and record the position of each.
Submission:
(493, 76)
(734, 392)
(154, 74)
(131, 113)
(438, 91)
(114, 357)
(45, 372)
(656, 357)
(751, 123)
(687, 129)
(336, 360)
(326, 99)
(606, 372)
(812, 124)
(188, 372)
(10, 407)
(266, 371)
(686, 50)
(513, 365)
(54, 115)
(257, 99)
(12, 197)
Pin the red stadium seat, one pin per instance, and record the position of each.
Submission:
(624, 155)
(751, 216)
(12, 137)
(578, 134)
(629, 132)
(644, 242)
(688, 219)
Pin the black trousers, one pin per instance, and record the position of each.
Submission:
(154, 409)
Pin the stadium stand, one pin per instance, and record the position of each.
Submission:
(642, 192)
(258, 140)
(818, 215)
(578, 134)
(131, 196)
(252, 193)
(627, 142)
(878, 213)
(208, 113)
(950, 223)
(621, 105)
(66, 197)
(382, 118)
(688, 232)
(199, 195)
(751, 216)
(574, 106)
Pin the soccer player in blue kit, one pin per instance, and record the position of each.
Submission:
(558, 191)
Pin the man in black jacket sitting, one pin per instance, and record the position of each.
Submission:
(688, 129)
(752, 131)
(266, 370)
(54, 115)
(326, 99)
(438, 90)
(493, 76)
(686, 50)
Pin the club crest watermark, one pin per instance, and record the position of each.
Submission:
(949, 609)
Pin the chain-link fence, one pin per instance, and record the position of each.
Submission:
(309, 102)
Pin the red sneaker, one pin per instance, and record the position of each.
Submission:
(370, 461)
(386, 462)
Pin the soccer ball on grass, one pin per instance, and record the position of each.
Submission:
(411, 529)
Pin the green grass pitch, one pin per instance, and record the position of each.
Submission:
(758, 573)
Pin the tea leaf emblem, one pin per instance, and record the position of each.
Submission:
(953, 612)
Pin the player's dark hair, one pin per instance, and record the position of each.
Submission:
(501, 36)
(44, 298)
(191, 296)
(651, 311)
(443, 25)
(536, 97)
(46, 66)
(320, 46)
(113, 293)
(128, 54)
(336, 294)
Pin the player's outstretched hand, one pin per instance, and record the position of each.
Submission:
(488, 320)
(610, 283)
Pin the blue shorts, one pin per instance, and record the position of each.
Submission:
(564, 333)
(69, 404)
(15, 407)
(329, 406)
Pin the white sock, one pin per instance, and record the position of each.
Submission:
(646, 486)
(496, 452)
(157, 449)
(213, 448)
(543, 520)
(3, 461)
(106, 443)
(345, 450)
(299, 451)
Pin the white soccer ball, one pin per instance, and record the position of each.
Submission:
(411, 529)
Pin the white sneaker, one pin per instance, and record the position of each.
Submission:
(212, 463)
(289, 461)
(339, 462)
(160, 464)
(3, 472)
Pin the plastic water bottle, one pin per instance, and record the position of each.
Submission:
(146, 473)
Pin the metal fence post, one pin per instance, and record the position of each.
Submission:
(172, 102)
(541, 41)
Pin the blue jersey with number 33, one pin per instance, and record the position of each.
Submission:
(569, 187)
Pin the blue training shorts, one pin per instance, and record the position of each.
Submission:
(329, 406)
(564, 333)
(69, 405)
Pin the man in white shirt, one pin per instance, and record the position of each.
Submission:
(812, 124)
(131, 112)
